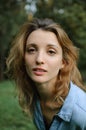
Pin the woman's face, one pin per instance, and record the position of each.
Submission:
(43, 56)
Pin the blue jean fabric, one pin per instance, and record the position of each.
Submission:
(72, 115)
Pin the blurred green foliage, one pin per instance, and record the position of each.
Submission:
(12, 15)
(11, 115)
(71, 14)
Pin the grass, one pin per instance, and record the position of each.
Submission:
(11, 115)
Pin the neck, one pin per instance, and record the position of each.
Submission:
(46, 90)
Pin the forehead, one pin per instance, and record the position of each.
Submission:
(42, 37)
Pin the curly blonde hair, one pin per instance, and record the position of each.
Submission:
(16, 64)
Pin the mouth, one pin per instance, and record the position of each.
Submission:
(39, 71)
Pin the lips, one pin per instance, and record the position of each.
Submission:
(39, 71)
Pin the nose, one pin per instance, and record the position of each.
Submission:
(40, 58)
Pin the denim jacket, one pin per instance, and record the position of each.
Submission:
(72, 115)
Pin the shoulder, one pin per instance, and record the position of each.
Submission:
(79, 110)
(80, 96)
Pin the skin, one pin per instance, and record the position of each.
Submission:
(43, 51)
(44, 59)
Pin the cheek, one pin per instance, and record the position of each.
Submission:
(58, 64)
(27, 61)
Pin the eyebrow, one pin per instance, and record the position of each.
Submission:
(52, 45)
(31, 44)
(35, 45)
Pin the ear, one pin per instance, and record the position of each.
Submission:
(63, 63)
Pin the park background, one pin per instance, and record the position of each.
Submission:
(71, 14)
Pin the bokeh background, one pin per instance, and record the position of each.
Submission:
(71, 14)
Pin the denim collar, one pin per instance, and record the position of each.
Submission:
(66, 111)
(38, 117)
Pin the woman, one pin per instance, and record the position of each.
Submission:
(43, 63)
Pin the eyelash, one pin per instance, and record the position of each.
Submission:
(51, 52)
(33, 50)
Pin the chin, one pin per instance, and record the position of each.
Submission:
(39, 80)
